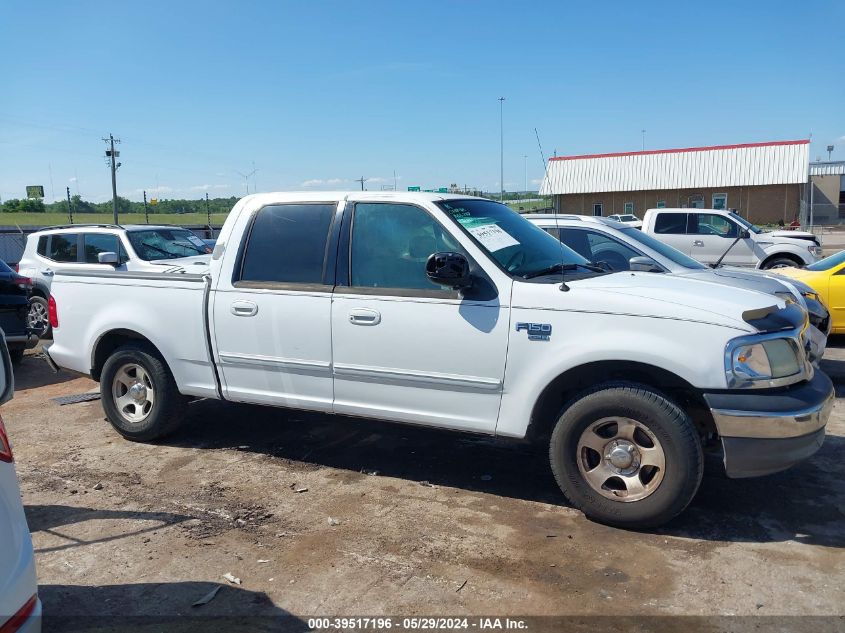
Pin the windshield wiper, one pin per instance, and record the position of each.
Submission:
(168, 254)
(559, 268)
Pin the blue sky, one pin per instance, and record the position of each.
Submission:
(320, 93)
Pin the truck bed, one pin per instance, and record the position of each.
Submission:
(165, 308)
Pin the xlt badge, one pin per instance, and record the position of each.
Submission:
(536, 331)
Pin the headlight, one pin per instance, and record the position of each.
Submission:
(764, 363)
(815, 250)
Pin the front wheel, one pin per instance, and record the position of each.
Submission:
(781, 262)
(139, 395)
(626, 456)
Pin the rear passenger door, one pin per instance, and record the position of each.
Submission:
(271, 312)
(671, 228)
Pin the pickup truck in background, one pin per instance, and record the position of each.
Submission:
(456, 312)
(714, 236)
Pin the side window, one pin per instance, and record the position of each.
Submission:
(42, 245)
(96, 243)
(63, 248)
(671, 223)
(553, 232)
(613, 252)
(577, 240)
(287, 244)
(712, 224)
(391, 244)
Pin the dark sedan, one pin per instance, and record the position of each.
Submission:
(15, 291)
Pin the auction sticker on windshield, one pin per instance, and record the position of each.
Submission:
(193, 239)
(492, 237)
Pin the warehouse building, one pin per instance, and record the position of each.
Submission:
(764, 182)
(827, 196)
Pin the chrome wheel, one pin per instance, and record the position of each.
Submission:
(621, 459)
(133, 392)
(37, 318)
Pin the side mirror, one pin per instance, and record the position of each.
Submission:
(107, 257)
(644, 265)
(744, 234)
(448, 269)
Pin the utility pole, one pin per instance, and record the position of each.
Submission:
(362, 180)
(69, 208)
(112, 155)
(146, 215)
(643, 133)
(502, 147)
(208, 213)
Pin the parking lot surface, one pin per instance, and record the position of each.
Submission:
(321, 515)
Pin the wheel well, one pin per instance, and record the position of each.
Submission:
(790, 256)
(109, 342)
(38, 292)
(570, 383)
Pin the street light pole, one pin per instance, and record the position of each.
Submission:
(502, 147)
(525, 158)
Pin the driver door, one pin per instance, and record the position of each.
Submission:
(712, 234)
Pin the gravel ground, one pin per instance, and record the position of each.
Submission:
(321, 515)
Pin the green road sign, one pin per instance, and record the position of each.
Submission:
(443, 190)
(413, 188)
(429, 190)
(34, 191)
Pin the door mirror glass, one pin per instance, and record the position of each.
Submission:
(448, 269)
(107, 257)
(644, 265)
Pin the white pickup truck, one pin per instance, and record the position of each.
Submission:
(458, 313)
(716, 236)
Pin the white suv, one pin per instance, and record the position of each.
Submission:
(97, 247)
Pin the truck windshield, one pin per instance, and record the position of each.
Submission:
(745, 223)
(670, 253)
(152, 244)
(518, 246)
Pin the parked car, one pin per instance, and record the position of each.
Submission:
(827, 278)
(619, 247)
(715, 235)
(627, 218)
(20, 608)
(15, 291)
(93, 247)
(456, 312)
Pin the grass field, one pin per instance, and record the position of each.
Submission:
(51, 219)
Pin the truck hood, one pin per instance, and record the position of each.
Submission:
(678, 297)
(194, 264)
(794, 237)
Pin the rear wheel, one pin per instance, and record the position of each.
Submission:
(139, 394)
(626, 456)
(38, 317)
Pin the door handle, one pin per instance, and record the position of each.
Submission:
(244, 308)
(364, 316)
(47, 272)
(698, 243)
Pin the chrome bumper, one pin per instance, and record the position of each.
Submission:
(773, 424)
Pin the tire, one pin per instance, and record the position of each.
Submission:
(156, 410)
(781, 262)
(16, 355)
(589, 420)
(37, 319)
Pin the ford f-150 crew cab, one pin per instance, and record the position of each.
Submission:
(717, 236)
(456, 312)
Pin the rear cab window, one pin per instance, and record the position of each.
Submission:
(671, 223)
(287, 244)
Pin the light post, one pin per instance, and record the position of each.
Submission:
(502, 147)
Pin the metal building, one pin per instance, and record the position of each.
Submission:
(764, 182)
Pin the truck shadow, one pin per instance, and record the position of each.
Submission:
(806, 503)
(162, 606)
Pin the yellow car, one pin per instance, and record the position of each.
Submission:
(826, 277)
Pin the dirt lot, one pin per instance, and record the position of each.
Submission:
(335, 516)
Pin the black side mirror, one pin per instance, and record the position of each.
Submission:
(448, 269)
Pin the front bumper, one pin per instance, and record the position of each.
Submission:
(766, 431)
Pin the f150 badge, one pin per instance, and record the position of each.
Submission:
(536, 331)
